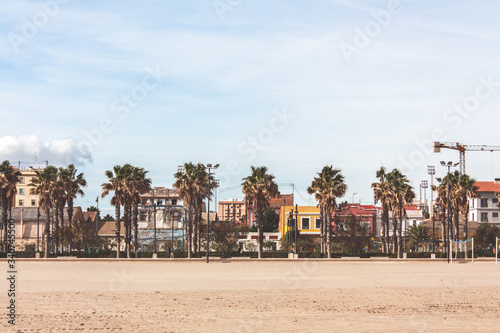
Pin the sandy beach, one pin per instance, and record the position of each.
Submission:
(254, 296)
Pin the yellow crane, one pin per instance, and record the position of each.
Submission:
(462, 149)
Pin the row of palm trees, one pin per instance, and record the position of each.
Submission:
(461, 188)
(394, 192)
(57, 188)
(9, 177)
(195, 185)
(127, 183)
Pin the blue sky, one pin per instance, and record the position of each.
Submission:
(293, 85)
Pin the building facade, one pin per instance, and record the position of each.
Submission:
(23, 197)
(484, 209)
(231, 210)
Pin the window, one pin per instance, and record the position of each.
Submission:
(21, 202)
(484, 217)
(33, 202)
(494, 200)
(305, 223)
(484, 203)
(21, 191)
(365, 225)
(317, 224)
(495, 215)
(21, 180)
(174, 202)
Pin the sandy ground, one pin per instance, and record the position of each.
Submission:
(254, 296)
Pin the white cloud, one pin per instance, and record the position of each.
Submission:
(28, 148)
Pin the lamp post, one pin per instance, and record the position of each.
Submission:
(448, 165)
(353, 196)
(38, 230)
(296, 227)
(431, 170)
(290, 219)
(209, 167)
(154, 228)
(424, 184)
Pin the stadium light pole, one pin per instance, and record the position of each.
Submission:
(431, 170)
(448, 165)
(209, 167)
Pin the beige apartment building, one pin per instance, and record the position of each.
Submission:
(23, 197)
(231, 210)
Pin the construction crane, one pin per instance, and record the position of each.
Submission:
(462, 149)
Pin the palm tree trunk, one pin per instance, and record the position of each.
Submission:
(4, 222)
(117, 225)
(322, 228)
(384, 240)
(189, 232)
(394, 233)
(46, 234)
(329, 235)
(136, 229)
(260, 233)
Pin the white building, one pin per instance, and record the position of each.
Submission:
(484, 209)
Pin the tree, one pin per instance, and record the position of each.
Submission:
(116, 184)
(8, 180)
(485, 237)
(401, 194)
(92, 209)
(192, 182)
(327, 187)
(271, 220)
(467, 189)
(43, 184)
(224, 236)
(108, 217)
(417, 234)
(352, 234)
(258, 189)
(382, 193)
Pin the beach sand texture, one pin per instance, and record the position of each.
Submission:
(255, 296)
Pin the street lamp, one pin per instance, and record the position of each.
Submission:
(448, 165)
(290, 221)
(209, 167)
(296, 227)
(353, 196)
(154, 228)
(431, 170)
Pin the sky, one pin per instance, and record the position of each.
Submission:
(291, 85)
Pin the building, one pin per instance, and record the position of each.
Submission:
(30, 225)
(231, 210)
(276, 203)
(23, 197)
(308, 219)
(485, 208)
(414, 217)
(161, 217)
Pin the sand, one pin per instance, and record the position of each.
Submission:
(254, 296)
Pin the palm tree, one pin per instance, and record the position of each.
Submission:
(192, 183)
(72, 183)
(382, 193)
(43, 184)
(401, 194)
(258, 189)
(467, 189)
(418, 234)
(327, 187)
(116, 184)
(8, 180)
(136, 184)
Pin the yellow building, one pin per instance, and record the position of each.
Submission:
(23, 197)
(308, 219)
